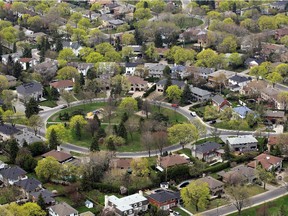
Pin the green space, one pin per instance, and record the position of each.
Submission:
(225, 125)
(189, 22)
(182, 213)
(276, 207)
(48, 103)
(4, 158)
(212, 204)
(255, 190)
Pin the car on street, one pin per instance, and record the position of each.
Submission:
(193, 114)
(64, 107)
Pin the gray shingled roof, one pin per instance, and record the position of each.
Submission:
(164, 196)
(46, 194)
(239, 79)
(218, 99)
(198, 91)
(29, 88)
(8, 130)
(63, 209)
(12, 173)
(207, 147)
(29, 184)
(180, 84)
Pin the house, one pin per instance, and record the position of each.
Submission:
(47, 69)
(75, 46)
(62, 209)
(7, 132)
(27, 32)
(87, 213)
(252, 62)
(179, 71)
(155, 69)
(47, 196)
(28, 185)
(82, 67)
(26, 136)
(121, 163)
(270, 94)
(161, 84)
(216, 187)
(237, 82)
(200, 94)
(203, 72)
(267, 162)
(273, 51)
(164, 199)
(130, 68)
(89, 204)
(279, 33)
(254, 87)
(12, 174)
(30, 90)
(129, 205)
(212, 77)
(208, 151)
(242, 111)
(275, 116)
(137, 83)
(137, 50)
(239, 174)
(171, 160)
(219, 102)
(279, 5)
(115, 23)
(26, 63)
(12, 81)
(61, 157)
(272, 142)
(242, 143)
(14, 56)
(62, 85)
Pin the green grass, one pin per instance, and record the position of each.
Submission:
(190, 22)
(185, 151)
(174, 117)
(182, 213)
(225, 125)
(4, 158)
(48, 103)
(270, 208)
(212, 204)
(209, 139)
(255, 190)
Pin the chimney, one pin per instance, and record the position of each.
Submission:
(106, 201)
(58, 148)
(141, 192)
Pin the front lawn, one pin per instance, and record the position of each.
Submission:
(227, 126)
(4, 158)
(48, 103)
(255, 190)
(212, 204)
(271, 208)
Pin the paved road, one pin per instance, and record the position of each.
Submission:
(253, 201)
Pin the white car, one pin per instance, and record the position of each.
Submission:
(193, 114)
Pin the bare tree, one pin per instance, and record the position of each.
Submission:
(132, 125)
(146, 108)
(67, 97)
(148, 141)
(239, 196)
(161, 139)
(215, 133)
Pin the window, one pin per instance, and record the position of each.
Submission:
(140, 203)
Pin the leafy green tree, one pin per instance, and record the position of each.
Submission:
(128, 105)
(79, 35)
(209, 58)
(181, 56)
(227, 153)
(95, 57)
(150, 52)
(35, 122)
(31, 108)
(264, 176)
(140, 167)
(267, 22)
(228, 45)
(48, 168)
(59, 45)
(174, 93)
(53, 140)
(284, 40)
(226, 114)
(25, 160)
(282, 69)
(235, 60)
(76, 17)
(104, 47)
(197, 193)
(182, 133)
(186, 96)
(283, 98)
(54, 93)
(13, 150)
(4, 84)
(168, 83)
(41, 202)
(142, 13)
(275, 77)
(66, 54)
(59, 129)
(158, 41)
(17, 69)
(121, 131)
(68, 72)
(210, 112)
(78, 130)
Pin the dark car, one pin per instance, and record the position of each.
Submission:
(213, 122)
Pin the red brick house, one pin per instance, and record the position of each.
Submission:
(164, 199)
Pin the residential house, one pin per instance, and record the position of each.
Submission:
(275, 116)
(7, 132)
(27, 32)
(75, 46)
(239, 174)
(129, 205)
(26, 136)
(171, 160)
(121, 163)
(15, 57)
(12, 174)
(62, 209)
(208, 151)
(164, 199)
(279, 5)
(30, 90)
(155, 69)
(179, 71)
(237, 82)
(216, 187)
(130, 68)
(46, 69)
(12, 81)
(161, 84)
(219, 102)
(242, 143)
(47, 196)
(270, 94)
(252, 62)
(137, 50)
(202, 38)
(28, 185)
(203, 72)
(273, 51)
(26, 63)
(114, 23)
(137, 83)
(200, 94)
(61, 157)
(82, 67)
(62, 85)
(212, 77)
(242, 111)
(254, 87)
(161, 51)
(279, 33)
(89, 204)
(267, 161)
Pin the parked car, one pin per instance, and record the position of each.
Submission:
(175, 105)
(176, 213)
(193, 114)
(213, 122)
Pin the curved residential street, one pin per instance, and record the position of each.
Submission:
(182, 110)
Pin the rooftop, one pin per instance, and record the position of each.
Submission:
(29, 88)
(29, 184)
(126, 203)
(172, 160)
(136, 80)
(62, 84)
(207, 147)
(8, 130)
(164, 196)
(218, 99)
(265, 160)
(242, 139)
(242, 111)
(63, 209)
(212, 182)
(199, 91)
(12, 173)
(58, 155)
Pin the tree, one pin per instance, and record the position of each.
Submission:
(13, 150)
(66, 54)
(128, 105)
(48, 168)
(142, 13)
(127, 39)
(53, 140)
(35, 122)
(103, 48)
(95, 144)
(174, 93)
(235, 60)
(226, 114)
(121, 131)
(264, 176)
(28, 209)
(93, 125)
(197, 194)
(132, 126)
(160, 139)
(25, 160)
(228, 45)
(17, 69)
(239, 195)
(147, 141)
(3, 83)
(76, 17)
(209, 58)
(182, 133)
(112, 141)
(168, 83)
(79, 35)
(95, 57)
(31, 108)
(68, 72)
(227, 152)
(283, 98)
(210, 112)
(59, 45)
(251, 119)
(186, 96)
(150, 52)
(59, 129)
(95, 6)
(140, 167)
(41, 202)
(275, 77)
(77, 130)
(67, 97)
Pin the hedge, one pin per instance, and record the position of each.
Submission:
(149, 91)
(217, 168)
(245, 157)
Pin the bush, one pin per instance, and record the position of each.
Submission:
(178, 173)
(37, 148)
(245, 157)
(149, 91)
(217, 168)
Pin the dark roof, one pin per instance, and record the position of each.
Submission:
(12, 173)
(63, 209)
(218, 99)
(58, 155)
(239, 79)
(29, 88)
(131, 64)
(29, 184)
(8, 130)
(46, 194)
(258, 60)
(164, 196)
(180, 84)
(207, 147)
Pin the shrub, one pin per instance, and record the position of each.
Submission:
(245, 157)
(149, 91)
(37, 148)
(217, 168)
(178, 173)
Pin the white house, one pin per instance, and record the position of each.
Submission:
(89, 204)
(130, 68)
(242, 143)
(75, 46)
